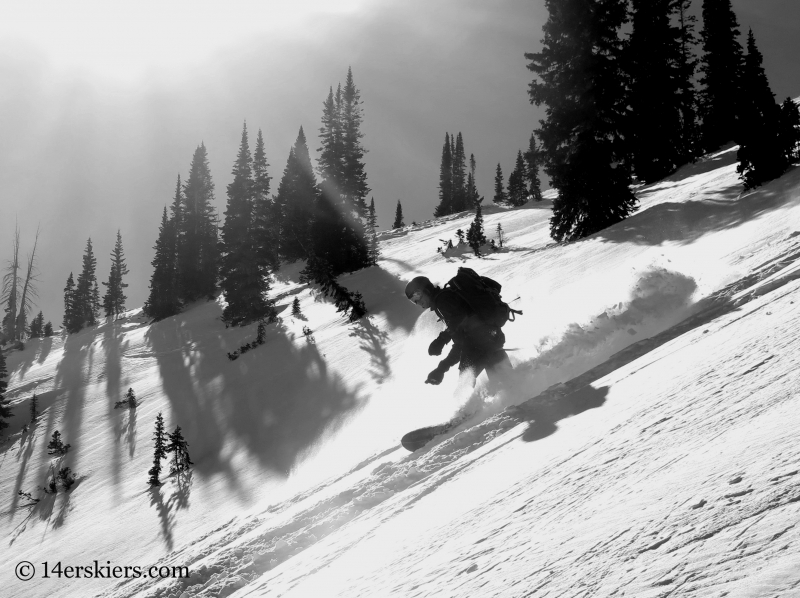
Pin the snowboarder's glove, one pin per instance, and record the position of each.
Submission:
(436, 376)
(435, 348)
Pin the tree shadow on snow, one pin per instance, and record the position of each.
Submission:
(544, 415)
(113, 348)
(169, 498)
(36, 351)
(685, 222)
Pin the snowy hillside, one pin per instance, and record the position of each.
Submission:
(646, 444)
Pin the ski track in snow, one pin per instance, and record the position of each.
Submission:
(647, 448)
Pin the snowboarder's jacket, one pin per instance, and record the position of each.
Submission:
(476, 341)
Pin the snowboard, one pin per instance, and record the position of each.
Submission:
(418, 438)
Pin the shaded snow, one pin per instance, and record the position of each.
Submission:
(643, 444)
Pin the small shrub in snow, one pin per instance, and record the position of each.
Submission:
(56, 446)
(129, 402)
(296, 308)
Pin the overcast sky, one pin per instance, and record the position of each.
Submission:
(102, 104)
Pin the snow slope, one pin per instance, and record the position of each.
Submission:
(645, 444)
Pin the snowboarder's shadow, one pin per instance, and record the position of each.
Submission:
(544, 415)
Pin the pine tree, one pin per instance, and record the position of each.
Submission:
(473, 197)
(159, 451)
(398, 217)
(5, 407)
(48, 329)
(37, 326)
(460, 236)
(475, 235)
(354, 177)
(721, 68)
(584, 89)
(500, 236)
(517, 191)
(656, 80)
(10, 294)
(179, 447)
(198, 251)
(460, 189)
(114, 299)
(445, 206)
(86, 297)
(129, 402)
(761, 156)
(242, 280)
(532, 170)
(372, 225)
(163, 300)
(56, 446)
(69, 304)
(499, 192)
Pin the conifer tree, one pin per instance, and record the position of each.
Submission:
(37, 326)
(460, 189)
(499, 192)
(163, 300)
(48, 329)
(655, 120)
(686, 69)
(242, 280)
(56, 446)
(114, 299)
(790, 131)
(473, 198)
(10, 291)
(5, 407)
(761, 156)
(445, 206)
(159, 451)
(266, 219)
(69, 304)
(296, 313)
(354, 177)
(517, 190)
(532, 171)
(295, 202)
(198, 251)
(500, 236)
(179, 447)
(721, 67)
(85, 302)
(581, 82)
(34, 410)
(129, 402)
(372, 225)
(475, 235)
(398, 217)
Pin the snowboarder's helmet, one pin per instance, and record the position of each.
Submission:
(417, 286)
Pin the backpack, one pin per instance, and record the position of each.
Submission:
(482, 294)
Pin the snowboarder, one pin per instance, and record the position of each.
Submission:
(473, 313)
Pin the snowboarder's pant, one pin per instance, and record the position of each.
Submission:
(496, 364)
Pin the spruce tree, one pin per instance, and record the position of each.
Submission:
(179, 447)
(34, 409)
(721, 68)
(114, 299)
(86, 296)
(56, 446)
(761, 156)
(354, 177)
(48, 329)
(445, 206)
(581, 82)
(517, 190)
(296, 313)
(242, 280)
(656, 80)
(198, 251)
(686, 69)
(159, 451)
(163, 300)
(473, 198)
(398, 217)
(500, 236)
(499, 192)
(532, 170)
(5, 407)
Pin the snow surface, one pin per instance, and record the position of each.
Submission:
(645, 444)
